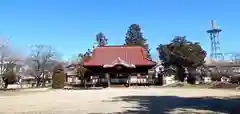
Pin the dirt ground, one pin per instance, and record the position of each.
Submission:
(120, 100)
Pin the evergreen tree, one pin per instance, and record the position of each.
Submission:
(181, 54)
(101, 39)
(81, 71)
(58, 77)
(134, 37)
(9, 77)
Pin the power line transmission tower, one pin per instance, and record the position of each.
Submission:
(215, 43)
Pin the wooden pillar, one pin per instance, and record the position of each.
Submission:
(108, 79)
(129, 80)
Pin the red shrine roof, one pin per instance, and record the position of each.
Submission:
(109, 56)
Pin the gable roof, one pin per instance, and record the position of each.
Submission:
(108, 55)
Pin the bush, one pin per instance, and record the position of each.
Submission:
(10, 77)
(58, 77)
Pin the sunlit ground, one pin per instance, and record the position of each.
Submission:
(120, 100)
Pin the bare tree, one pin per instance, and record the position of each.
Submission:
(4, 51)
(8, 59)
(8, 56)
(41, 56)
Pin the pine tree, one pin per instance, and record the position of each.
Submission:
(134, 37)
(181, 54)
(101, 39)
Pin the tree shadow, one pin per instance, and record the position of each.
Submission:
(167, 104)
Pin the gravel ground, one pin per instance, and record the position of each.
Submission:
(119, 100)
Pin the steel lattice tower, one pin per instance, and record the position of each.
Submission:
(215, 44)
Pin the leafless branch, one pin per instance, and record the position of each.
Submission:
(8, 57)
(41, 56)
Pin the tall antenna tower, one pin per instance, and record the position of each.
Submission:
(215, 44)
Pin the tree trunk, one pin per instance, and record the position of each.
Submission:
(5, 85)
(38, 82)
(85, 85)
(191, 78)
(180, 73)
(93, 82)
(129, 80)
(2, 64)
(43, 81)
(108, 79)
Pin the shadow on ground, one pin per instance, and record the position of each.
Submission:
(166, 104)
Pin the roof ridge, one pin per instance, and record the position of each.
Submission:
(131, 55)
(143, 54)
(143, 51)
(120, 46)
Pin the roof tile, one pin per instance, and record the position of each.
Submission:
(135, 55)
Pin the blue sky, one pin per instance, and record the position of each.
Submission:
(70, 26)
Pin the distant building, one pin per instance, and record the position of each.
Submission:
(18, 66)
(71, 74)
(223, 65)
